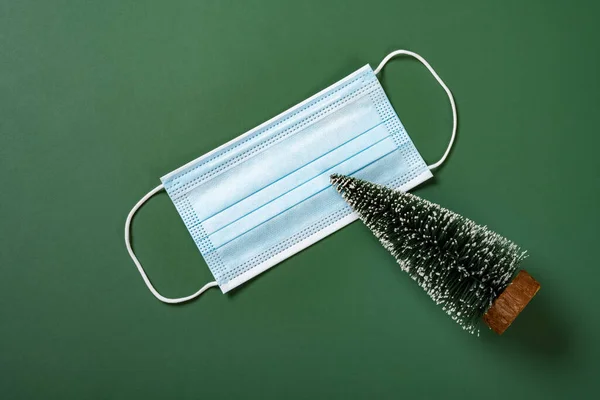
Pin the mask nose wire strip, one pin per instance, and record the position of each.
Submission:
(442, 84)
(137, 262)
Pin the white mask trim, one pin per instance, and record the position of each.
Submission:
(442, 84)
(137, 262)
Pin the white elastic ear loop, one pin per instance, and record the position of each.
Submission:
(448, 92)
(137, 262)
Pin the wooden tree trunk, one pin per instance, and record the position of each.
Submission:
(511, 302)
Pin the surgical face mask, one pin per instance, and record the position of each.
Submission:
(265, 195)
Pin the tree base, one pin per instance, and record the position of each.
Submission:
(511, 302)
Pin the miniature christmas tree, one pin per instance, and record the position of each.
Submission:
(464, 267)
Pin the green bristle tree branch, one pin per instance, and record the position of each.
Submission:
(461, 265)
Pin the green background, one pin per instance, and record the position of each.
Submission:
(98, 99)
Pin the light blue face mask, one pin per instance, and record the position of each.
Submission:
(265, 195)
